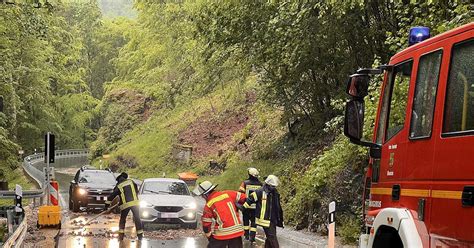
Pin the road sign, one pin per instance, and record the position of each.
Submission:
(49, 148)
(49, 175)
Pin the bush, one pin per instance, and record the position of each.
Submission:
(349, 228)
(335, 175)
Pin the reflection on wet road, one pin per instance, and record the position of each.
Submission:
(81, 242)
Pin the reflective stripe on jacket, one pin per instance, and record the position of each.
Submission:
(249, 186)
(220, 208)
(127, 190)
(267, 207)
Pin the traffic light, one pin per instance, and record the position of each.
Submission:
(49, 148)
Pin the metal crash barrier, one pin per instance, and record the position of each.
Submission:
(17, 224)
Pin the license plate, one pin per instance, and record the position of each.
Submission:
(97, 198)
(169, 215)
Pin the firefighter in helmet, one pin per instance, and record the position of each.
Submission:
(248, 187)
(268, 211)
(128, 201)
(221, 208)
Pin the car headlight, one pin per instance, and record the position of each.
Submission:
(82, 191)
(144, 204)
(191, 205)
(190, 215)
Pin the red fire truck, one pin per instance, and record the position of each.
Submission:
(419, 189)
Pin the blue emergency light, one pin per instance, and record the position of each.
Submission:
(418, 34)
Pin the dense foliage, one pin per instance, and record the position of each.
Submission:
(53, 62)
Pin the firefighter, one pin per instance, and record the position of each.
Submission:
(248, 187)
(221, 208)
(128, 201)
(268, 211)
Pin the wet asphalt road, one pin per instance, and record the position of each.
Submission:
(103, 232)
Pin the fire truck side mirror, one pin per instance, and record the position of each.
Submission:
(358, 85)
(354, 126)
(354, 119)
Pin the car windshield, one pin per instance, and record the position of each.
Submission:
(170, 188)
(102, 177)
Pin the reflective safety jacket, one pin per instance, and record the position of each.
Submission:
(220, 208)
(128, 192)
(268, 208)
(249, 186)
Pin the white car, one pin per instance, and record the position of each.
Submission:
(167, 201)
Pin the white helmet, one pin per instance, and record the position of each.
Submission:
(253, 172)
(272, 180)
(204, 188)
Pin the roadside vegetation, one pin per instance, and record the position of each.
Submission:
(53, 63)
(244, 83)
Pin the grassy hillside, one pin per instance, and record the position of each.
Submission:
(149, 144)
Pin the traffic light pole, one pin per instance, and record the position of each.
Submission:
(48, 154)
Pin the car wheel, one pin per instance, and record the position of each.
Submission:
(75, 206)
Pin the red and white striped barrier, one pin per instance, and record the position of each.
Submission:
(54, 192)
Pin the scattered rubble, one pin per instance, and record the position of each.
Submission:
(172, 234)
(37, 237)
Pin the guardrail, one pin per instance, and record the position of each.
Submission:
(18, 235)
(6, 194)
(38, 175)
(15, 239)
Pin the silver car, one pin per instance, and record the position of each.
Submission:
(167, 201)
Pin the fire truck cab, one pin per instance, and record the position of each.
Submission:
(419, 188)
